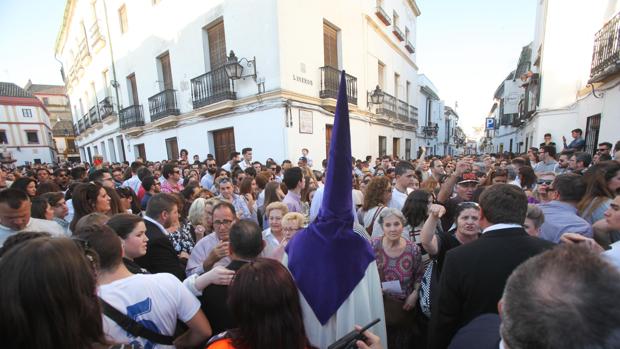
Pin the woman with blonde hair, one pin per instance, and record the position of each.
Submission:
(274, 235)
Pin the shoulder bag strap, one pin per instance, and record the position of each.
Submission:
(130, 325)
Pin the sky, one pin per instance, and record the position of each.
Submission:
(466, 48)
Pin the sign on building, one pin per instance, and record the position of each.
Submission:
(490, 124)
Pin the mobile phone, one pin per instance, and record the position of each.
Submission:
(348, 341)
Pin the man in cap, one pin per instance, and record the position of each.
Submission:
(466, 183)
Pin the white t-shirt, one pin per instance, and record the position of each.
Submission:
(154, 300)
(398, 199)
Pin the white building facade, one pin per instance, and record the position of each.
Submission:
(573, 78)
(143, 85)
(25, 131)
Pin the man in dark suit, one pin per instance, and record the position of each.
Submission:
(246, 243)
(161, 213)
(474, 275)
(549, 302)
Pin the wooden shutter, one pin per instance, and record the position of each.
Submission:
(330, 46)
(166, 70)
(134, 89)
(217, 45)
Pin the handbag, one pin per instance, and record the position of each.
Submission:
(395, 315)
(425, 290)
(132, 326)
(372, 222)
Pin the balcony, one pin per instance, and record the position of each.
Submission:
(163, 104)
(77, 129)
(409, 47)
(606, 55)
(106, 108)
(94, 116)
(81, 127)
(330, 81)
(388, 107)
(212, 87)
(87, 123)
(398, 33)
(413, 115)
(431, 130)
(382, 15)
(131, 117)
(403, 111)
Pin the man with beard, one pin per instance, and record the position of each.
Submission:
(207, 180)
(61, 177)
(161, 213)
(233, 160)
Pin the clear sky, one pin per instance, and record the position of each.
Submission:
(465, 47)
(29, 29)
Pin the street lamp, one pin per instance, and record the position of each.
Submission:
(234, 68)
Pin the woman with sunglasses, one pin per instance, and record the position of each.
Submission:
(465, 230)
(542, 193)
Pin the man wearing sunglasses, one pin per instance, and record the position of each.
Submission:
(206, 182)
(172, 179)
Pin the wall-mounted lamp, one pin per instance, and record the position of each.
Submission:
(234, 67)
(376, 97)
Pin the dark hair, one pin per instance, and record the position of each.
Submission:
(168, 170)
(53, 198)
(549, 149)
(183, 151)
(233, 155)
(246, 186)
(135, 166)
(96, 175)
(528, 177)
(518, 161)
(148, 182)
(84, 201)
(16, 239)
(13, 197)
(375, 192)
(402, 167)
(77, 173)
(47, 187)
(578, 130)
(250, 171)
(246, 239)
(460, 208)
(115, 201)
(123, 224)
(38, 208)
(493, 174)
(504, 203)
(144, 172)
(264, 302)
(103, 240)
(22, 183)
(227, 205)
(245, 150)
(159, 203)
(569, 186)
(271, 193)
(547, 135)
(584, 157)
(292, 177)
(563, 288)
(261, 181)
(415, 208)
(48, 296)
(128, 193)
(91, 219)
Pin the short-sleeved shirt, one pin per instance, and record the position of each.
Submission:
(153, 300)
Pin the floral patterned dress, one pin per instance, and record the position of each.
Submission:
(406, 268)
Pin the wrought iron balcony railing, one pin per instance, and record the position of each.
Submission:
(106, 108)
(93, 115)
(409, 46)
(81, 127)
(606, 55)
(413, 115)
(212, 87)
(131, 117)
(163, 104)
(403, 111)
(330, 81)
(388, 107)
(87, 123)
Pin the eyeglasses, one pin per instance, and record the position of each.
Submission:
(544, 181)
(225, 222)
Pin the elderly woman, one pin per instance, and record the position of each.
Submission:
(534, 219)
(274, 235)
(292, 222)
(200, 217)
(400, 269)
(378, 194)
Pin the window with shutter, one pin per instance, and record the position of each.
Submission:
(330, 46)
(166, 70)
(217, 45)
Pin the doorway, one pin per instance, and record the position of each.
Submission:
(224, 142)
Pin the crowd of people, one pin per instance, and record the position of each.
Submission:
(189, 253)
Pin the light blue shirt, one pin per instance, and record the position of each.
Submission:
(560, 218)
